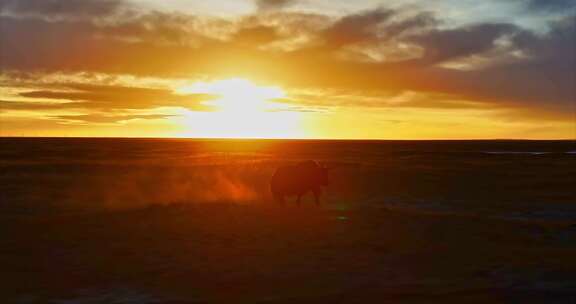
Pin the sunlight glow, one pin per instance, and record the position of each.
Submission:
(237, 95)
(242, 110)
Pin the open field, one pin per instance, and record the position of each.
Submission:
(177, 221)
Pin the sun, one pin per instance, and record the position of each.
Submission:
(241, 109)
(237, 95)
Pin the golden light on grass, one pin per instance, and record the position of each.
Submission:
(242, 109)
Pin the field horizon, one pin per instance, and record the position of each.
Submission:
(297, 139)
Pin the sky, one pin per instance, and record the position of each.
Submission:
(362, 69)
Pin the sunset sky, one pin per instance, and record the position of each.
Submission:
(414, 69)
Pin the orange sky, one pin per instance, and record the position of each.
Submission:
(288, 69)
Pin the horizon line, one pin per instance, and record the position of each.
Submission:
(290, 139)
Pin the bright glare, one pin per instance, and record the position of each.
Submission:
(237, 95)
(242, 110)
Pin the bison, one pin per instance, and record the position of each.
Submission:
(299, 179)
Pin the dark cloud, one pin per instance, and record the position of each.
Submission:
(153, 43)
(155, 27)
(559, 43)
(29, 44)
(255, 36)
(551, 5)
(419, 22)
(548, 76)
(61, 8)
(267, 5)
(148, 45)
(378, 25)
(356, 28)
(444, 45)
(544, 79)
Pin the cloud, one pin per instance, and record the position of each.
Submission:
(543, 75)
(268, 5)
(153, 44)
(255, 36)
(159, 28)
(106, 118)
(406, 99)
(419, 22)
(178, 45)
(360, 27)
(551, 5)
(35, 106)
(109, 97)
(61, 9)
(444, 45)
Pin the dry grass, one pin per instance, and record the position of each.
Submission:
(247, 254)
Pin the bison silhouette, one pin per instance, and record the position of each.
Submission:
(299, 179)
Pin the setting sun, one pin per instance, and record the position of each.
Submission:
(241, 109)
(237, 95)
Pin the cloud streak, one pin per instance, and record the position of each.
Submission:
(268, 5)
(59, 9)
(106, 118)
(102, 97)
(550, 5)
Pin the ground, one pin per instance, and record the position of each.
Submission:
(262, 253)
